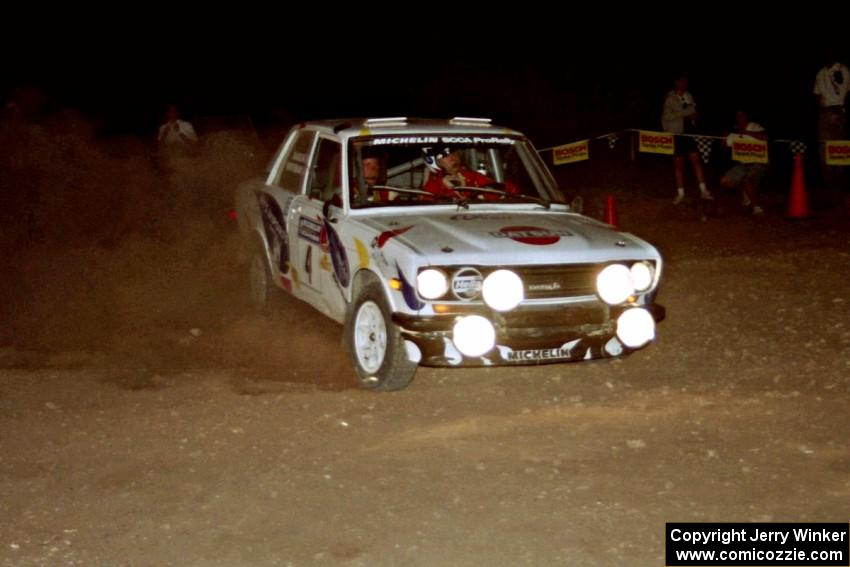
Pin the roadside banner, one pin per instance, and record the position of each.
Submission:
(571, 153)
(656, 142)
(838, 152)
(749, 150)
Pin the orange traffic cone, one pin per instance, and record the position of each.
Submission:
(611, 212)
(798, 205)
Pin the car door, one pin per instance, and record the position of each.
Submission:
(308, 232)
(285, 182)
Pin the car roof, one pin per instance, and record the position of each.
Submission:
(353, 127)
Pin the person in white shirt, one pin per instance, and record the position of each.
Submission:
(679, 116)
(746, 176)
(831, 86)
(176, 133)
(177, 142)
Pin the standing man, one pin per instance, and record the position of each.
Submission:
(679, 116)
(831, 85)
(176, 133)
(176, 141)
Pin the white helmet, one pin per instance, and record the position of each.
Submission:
(432, 155)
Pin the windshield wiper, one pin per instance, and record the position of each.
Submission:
(407, 190)
(545, 203)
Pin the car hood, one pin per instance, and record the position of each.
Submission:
(507, 238)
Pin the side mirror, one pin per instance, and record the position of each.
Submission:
(577, 205)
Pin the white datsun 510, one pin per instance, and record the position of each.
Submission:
(442, 243)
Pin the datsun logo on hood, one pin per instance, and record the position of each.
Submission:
(532, 234)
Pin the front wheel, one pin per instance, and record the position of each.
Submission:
(375, 343)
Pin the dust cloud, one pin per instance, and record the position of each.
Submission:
(116, 254)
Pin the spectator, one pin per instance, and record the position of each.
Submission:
(177, 142)
(746, 176)
(831, 85)
(679, 116)
(176, 133)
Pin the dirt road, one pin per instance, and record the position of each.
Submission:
(145, 419)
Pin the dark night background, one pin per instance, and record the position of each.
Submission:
(558, 77)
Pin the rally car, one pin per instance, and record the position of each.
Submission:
(442, 243)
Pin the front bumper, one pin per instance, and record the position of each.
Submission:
(527, 335)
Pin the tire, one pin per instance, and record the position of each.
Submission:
(375, 343)
(261, 286)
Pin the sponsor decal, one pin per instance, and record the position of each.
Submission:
(571, 153)
(838, 152)
(325, 263)
(485, 217)
(473, 140)
(310, 230)
(408, 292)
(552, 286)
(401, 140)
(295, 279)
(531, 234)
(362, 253)
(538, 354)
(476, 140)
(466, 284)
(275, 229)
(339, 258)
(294, 168)
(656, 142)
(564, 352)
(323, 237)
(749, 150)
(382, 238)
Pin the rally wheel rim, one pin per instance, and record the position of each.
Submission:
(370, 336)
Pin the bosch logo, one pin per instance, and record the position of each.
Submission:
(650, 139)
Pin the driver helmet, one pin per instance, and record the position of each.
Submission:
(432, 154)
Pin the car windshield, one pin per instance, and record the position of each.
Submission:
(432, 169)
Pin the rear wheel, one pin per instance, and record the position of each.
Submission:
(262, 286)
(375, 343)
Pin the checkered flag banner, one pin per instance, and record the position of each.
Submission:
(704, 145)
(612, 140)
(797, 147)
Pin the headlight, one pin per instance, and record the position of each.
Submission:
(502, 290)
(432, 283)
(474, 335)
(635, 327)
(614, 284)
(642, 275)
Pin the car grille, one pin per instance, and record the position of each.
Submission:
(547, 282)
(558, 281)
